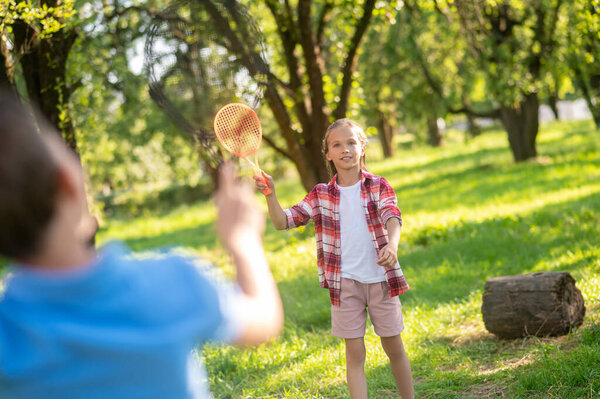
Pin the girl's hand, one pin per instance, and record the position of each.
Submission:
(261, 186)
(388, 256)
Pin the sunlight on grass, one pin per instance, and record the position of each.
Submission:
(178, 219)
(470, 213)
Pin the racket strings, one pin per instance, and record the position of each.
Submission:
(238, 129)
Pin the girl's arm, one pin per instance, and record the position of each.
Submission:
(276, 213)
(388, 208)
(388, 255)
(393, 228)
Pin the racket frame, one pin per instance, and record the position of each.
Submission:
(255, 166)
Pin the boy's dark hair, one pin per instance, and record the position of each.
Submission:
(28, 181)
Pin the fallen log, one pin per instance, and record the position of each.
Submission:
(540, 304)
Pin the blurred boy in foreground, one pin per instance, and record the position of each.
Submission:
(79, 324)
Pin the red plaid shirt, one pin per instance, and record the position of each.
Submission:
(322, 206)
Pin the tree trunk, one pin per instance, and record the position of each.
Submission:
(385, 133)
(472, 126)
(320, 123)
(595, 111)
(44, 66)
(540, 304)
(553, 104)
(310, 165)
(594, 104)
(587, 91)
(303, 88)
(433, 132)
(522, 125)
(6, 77)
(592, 98)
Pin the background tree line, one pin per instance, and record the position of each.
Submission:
(393, 65)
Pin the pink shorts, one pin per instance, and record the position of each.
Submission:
(350, 318)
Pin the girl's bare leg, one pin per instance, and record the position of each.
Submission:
(394, 349)
(355, 367)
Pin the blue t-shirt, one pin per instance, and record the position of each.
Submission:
(121, 327)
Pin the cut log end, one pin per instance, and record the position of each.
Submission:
(539, 304)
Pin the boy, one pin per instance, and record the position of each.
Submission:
(76, 324)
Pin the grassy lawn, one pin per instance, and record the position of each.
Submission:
(469, 214)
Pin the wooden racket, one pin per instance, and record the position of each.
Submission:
(238, 130)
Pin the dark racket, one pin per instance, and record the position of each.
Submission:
(199, 56)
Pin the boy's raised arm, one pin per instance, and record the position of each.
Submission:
(240, 225)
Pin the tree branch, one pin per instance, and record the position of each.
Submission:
(550, 41)
(285, 86)
(281, 151)
(494, 114)
(436, 86)
(276, 104)
(312, 57)
(349, 65)
(287, 33)
(443, 13)
(153, 12)
(323, 19)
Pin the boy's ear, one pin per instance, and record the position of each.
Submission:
(66, 181)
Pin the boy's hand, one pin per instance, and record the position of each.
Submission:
(240, 220)
(388, 256)
(258, 183)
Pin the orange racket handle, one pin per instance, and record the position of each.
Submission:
(263, 180)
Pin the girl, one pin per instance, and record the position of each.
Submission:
(357, 226)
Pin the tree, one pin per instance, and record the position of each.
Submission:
(583, 52)
(512, 41)
(379, 66)
(125, 140)
(437, 43)
(36, 39)
(415, 69)
(312, 69)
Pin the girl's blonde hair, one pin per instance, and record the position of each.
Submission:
(362, 137)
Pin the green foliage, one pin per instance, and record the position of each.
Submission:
(469, 214)
(582, 51)
(584, 20)
(126, 142)
(152, 200)
(574, 374)
(512, 43)
(45, 20)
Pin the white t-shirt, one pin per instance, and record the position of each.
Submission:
(359, 257)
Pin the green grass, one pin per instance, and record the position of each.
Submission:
(469, 214)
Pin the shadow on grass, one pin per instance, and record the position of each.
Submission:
(483, 366)
(449, 263)
(278, 367)
(442, 265)
(487, 183)
(476, 157)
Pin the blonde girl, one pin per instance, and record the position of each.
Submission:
(357, 228)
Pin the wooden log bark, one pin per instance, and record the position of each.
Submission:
(540, 304)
